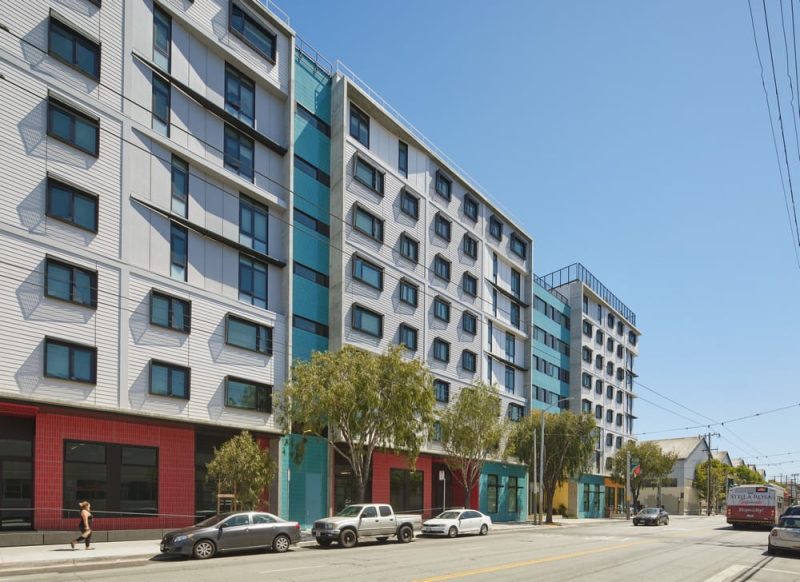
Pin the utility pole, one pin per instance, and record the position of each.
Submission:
(627, 484)
(535, 482)
(708, 484)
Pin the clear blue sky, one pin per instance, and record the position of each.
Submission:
(632, 137)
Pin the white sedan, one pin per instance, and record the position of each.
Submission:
(784, 537)
(454, 522)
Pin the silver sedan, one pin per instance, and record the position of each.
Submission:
(232, 532)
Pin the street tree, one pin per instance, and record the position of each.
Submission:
(471, 432)
(719, 474)
(360, 401)
(653, 463)
(744, 475)
(240, 466)
(569, 442)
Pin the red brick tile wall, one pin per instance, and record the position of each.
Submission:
(175, 469)
(382, 463)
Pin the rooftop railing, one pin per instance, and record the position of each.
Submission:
(314, 56)
(549, 288)
(577, 272)
(275, 9)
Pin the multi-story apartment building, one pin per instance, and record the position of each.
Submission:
(550, 363)
(603, 347)
(146, 236)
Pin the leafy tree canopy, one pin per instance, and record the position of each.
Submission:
(242, 467)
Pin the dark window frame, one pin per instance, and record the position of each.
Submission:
(235, 163)
(407, 329)
(518, 246)
(309, 169)
(92, 350)
(377, 230)
(370, 265)
(492, 493)
(438, 260)
(176, 230)
(166, 19)
(310, 326)
(410, 285)
(161, 85)
(467, 316)
(187, 311)
(263, 402)
(254, 299)
(179, 165)
(470, 246)
(413, 244)
(310, 274)
(473, 282)
(264, 339)
(445, 307)
(93, 278)
(75, 115)
(235, 107)
(170, 367)
(362, 120)
(73, 193)
(311, 118)
(442, 226)
(377, 183)
(308, 221)
(468, 356)
(406, 195)
(402, 158)
(471, 208)
(248, 205)
(444, 345)
(441, 391)
(258, 26)
(443, 185)
(78, 39)
(358, 308)
(495, 228)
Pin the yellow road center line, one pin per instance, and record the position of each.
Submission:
(512, 565)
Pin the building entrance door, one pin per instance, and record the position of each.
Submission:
(16, 474)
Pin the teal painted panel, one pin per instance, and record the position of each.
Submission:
(310, 300)
(313, 88)
(503, 472)
(311, 249)
(304, 484)
(544, 351)
(312, 197)
(597, 496)
(312, 145)
(548, 297)
(305, 342)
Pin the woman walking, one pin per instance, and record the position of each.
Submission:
(85, 526)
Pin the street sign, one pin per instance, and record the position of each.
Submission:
(441, 475)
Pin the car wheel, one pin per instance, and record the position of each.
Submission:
(348, 538)
(324, 543)
(382, 539)
(204, 549)
(666, 521)
(770, 550)
(452, 532)
(281, 543)
(405, 534)
(484, 529)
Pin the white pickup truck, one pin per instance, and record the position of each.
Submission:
(372, 520)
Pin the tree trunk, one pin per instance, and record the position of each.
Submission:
(548, 499)
(360, 487)
(467, 496)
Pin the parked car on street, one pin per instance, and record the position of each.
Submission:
(226, 532)
(651, 516)
(373, 520)
(785, 537)
(792, 510)
(454, 522)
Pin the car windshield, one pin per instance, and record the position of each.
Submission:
(213, 520)
(449, 515)
(350, 511)
(790, 522)
(649, 511)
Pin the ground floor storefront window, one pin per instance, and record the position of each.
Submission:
(16, 473)
(405, 490)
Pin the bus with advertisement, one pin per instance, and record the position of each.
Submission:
(754, 505)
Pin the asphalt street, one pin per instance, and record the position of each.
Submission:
(689, 549)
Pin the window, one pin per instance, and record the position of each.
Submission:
(490, 334)
(494, 302)
(441, 350)
(610, 368)
(369, 175)
(511, 345)
(619, 419)
(470, 285)
(359, 125)
(311, 274)
(619, 351)
(409, 204)
(407, 336)
(587, 329)
(178, 252)
(408, 292)
(586, 380)
(70, 205)
(240, 100)
(409, 248)
(238, 155)
(609, 417)
(609, 436)
(70, 283)
(491, 493)
(610, 392)
(161, 104)
(170, 312)
(610, 344)
(253, 219)
(367, 273)
(406, 489)
(599, 338)
(254, 34)
(441, 267)
(73, 127)
(469, 361)
(248, 335)
(367, 224)
(632, 338)
(311, 223)
(470, 247)
(252, 281)
(441, 309)
(247, 394)
(598, 362)
(495, 228)
(441, 389)
(586, 406)
(619, 442)
(610, 320)
(510, 377)
(402, 158)
(311, 170)
(515, 412)
(518, 246)
(470, 208)
(469, 323)
(180, 187)
(74, 49)
(586, 354)
(113, 477)
(443, 185)
(514, 316)
(598, 386)
(309, 117)
(367, 321)
(516, 283)
(437, 432)
(442, 226)
(162, 38)
(619, 328)
(169, 380)
(68, 361)
(309, 325)
(619, 396)
(494, 267)
(598, 412)
(513, 494)
(600, 313)
(620, 374)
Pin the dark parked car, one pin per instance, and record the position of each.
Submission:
(232, 532)
(651, 516)
(792, 511)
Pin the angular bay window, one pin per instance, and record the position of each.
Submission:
(442, 226)
(247, 394)
(367, 273)
(470, 247)
(162, 38)
(179, 252)
(470, 208)
(441, 350)
(367, 223)
(469, 323)
(409, 248)
(359, 125)
(248, 335)
(68, 204)
(367, 321)
(407, 336)
(253, 220)
(252, 281)
(170, 312)
(443, 185)
(368, 175)
(69, 361)
(74, 49)
(441, 391)
(469, 361)
(470, 285)
(518, 246)
(409, 204)
(515, 412)
(441, 309)
(169, 380)
(408, 292)
(441, 267)
(240, 100)
(161, 104)
(252, 33)
(180, 187)
(239, 153)
(73, 127)
(70, 283)
(495, 228)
